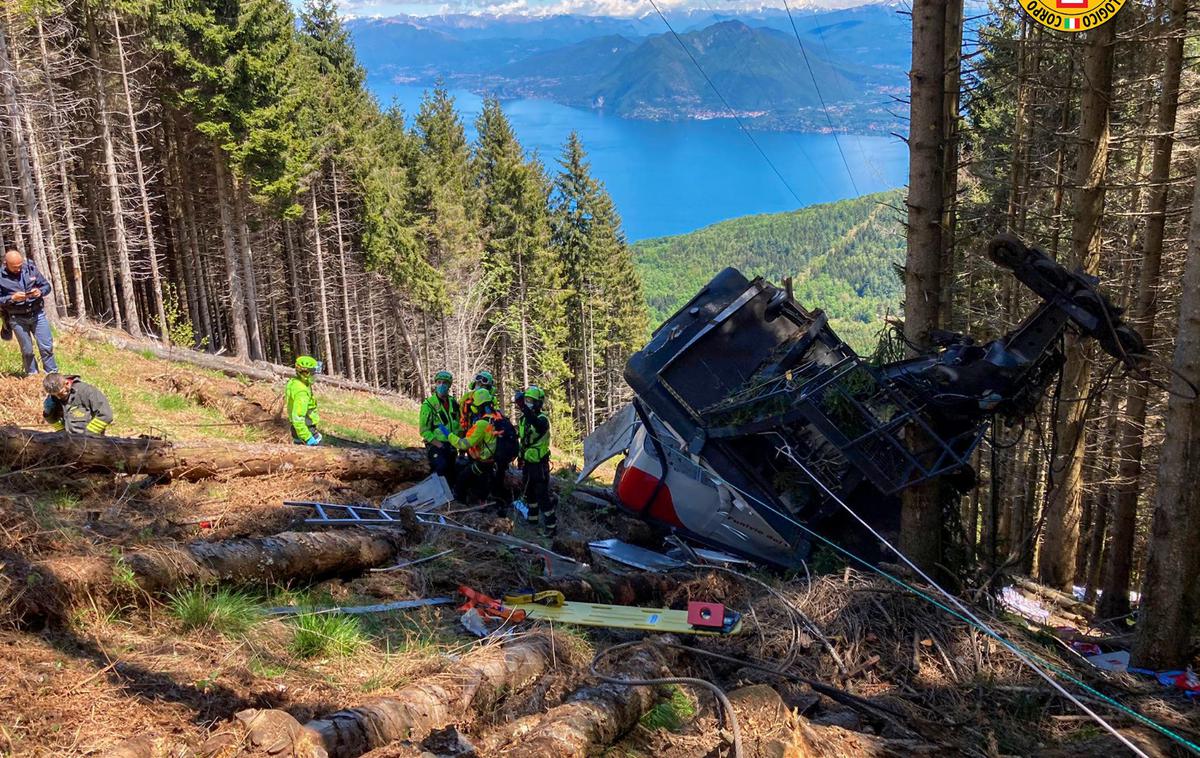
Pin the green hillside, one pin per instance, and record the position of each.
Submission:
(842, 257)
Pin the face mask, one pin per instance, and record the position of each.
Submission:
(442, 390)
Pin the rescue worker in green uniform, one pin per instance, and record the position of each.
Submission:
(74, 406)
(479, 443)
(439, 424)
(301, 403)
(533, 434)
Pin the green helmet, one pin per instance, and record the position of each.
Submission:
(485, 379)
(482, 397)
(535, 393)
(306, 363)
(443, 376)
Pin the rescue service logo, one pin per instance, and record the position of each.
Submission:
(1072, 15)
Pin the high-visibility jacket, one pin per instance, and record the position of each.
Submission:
(481, 439)
(301, 406)
(437, 411)
(533, 431)
(85, 411)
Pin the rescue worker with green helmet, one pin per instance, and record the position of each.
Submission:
(301, 403)
(440, 427)
(74, 406)
(533, 434)
(479, 443)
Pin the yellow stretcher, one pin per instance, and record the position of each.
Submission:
(697, 620)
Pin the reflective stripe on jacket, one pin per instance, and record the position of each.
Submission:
(85, 411)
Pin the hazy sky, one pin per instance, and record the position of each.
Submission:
(542, 7)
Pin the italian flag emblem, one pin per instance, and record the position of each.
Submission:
(1071, 24)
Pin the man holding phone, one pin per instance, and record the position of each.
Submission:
(23, 292)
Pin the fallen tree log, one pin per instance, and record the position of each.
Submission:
(261, 370)
(477, 683)
(49, 589)
(234, 406)
(1061, 599)
(198, 460)
(473, 685)
(592, 717)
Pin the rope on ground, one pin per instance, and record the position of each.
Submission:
(726, 706)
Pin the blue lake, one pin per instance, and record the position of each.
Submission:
(673, 177)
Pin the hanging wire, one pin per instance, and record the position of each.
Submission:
(725, 102)
(820, 97)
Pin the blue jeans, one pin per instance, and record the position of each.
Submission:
(28, 329)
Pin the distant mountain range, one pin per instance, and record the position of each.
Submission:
(631, 68)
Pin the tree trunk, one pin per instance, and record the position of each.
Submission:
(128, 299)
(25, 169)
(475, 685)
(301, 331)
(951, 77)
(1173, 563)
(241, 208)
(1056, 565)
(591, 718)
(62, 583)
(193, 461)
(351, 367)
(50, 254)
(237, 297)
(151, 250)
(1115, 599)
(921, 517)
(373, 374)
(322, 296)
(14, 210)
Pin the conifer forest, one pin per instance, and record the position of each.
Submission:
(212, 190)
(222, 166)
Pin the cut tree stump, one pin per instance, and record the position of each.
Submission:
(48, 589)
(591, 718)
(23, 448)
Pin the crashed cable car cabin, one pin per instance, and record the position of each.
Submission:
(753, 419)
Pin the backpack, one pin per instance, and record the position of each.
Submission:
(506, 438)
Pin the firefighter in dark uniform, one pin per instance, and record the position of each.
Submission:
(74, 406)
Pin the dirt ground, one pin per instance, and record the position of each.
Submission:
(123, 664)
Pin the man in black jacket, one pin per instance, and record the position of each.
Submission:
(74, 406)
(23, 293)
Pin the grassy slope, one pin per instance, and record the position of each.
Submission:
(142, 403)
(842, 256)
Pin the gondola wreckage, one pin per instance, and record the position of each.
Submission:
(755, 428)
